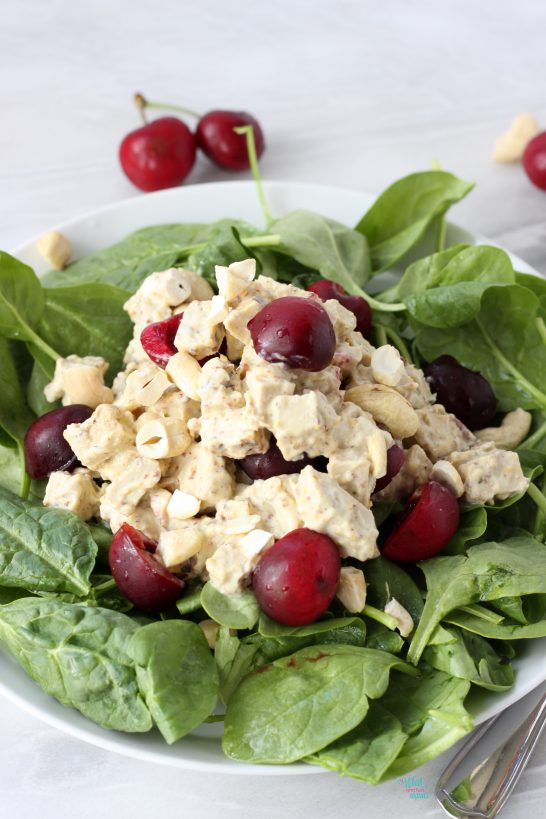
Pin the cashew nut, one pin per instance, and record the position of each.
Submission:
(210, 629)
(513, 430)
(163, 438)
(184, 370)
(402, 615)
(445, 473)
(387, 407)
(351, 590)
(387, 365)
(55, 248)
(510, 146)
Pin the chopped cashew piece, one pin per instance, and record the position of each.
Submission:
(210, 629)
(185, 371)
(402, 615)
(143, 387)
(163, 438)
(79, 381)
(387, 407)
(177, 546)
(387, 365)
(56, 248)
(351, 590)
(513, 430)
(445, 473)
(182, 505)
(511, 145)
(233, 281)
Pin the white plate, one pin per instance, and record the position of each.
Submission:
(205, 203)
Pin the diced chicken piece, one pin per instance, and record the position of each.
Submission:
(263, 382)
(210, 629)
(173, 404)
(108, 431)
(56, 248)
(358, 453)
(227, 425)
(179, 545)
(351, 591)
(200, 288)
(159, 500)
(445, 473)
(441, 433)
(205, 474)
(158, 294)
(326, 381)
(233, 281)
(327, 508)
(131, 476)
(236, 321)
(75, 491)
(347, 357)
(387, 365)
(79, 381)
(234, 348)
(302, 424)
(144, 386)
(402, 615)
(274, 501)
(343, 320)
(265, 289)
(141, 518)
(236, 516)
(199, 333)
(415, 388)
(489, 473)
(415, 472)
(230, 566)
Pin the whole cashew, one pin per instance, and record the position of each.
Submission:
(513, 430)
(387, 407)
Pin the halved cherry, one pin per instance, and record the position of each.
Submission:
(46, 450)
(158, 338)
(425, 526)
(296, 579)
(395, 462)
(268, 464)
(139, 575)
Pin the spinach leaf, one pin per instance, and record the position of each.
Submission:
(233, 610)
(36, 399)
(431, 710)
(472, 525)
(318, 243)
(270, 628)
(514, 361)
(496, 631)
(176, 675)
(15, 416)
(234, 660)
(380, 637)
(43, 549)
(10, 469)
(368, 750)
(470, 657)
(21, 299)
(511, 607)
(190, 602)
(78, 655)
(386, 580)
(9, 595)
(299, 704)
(402, 213)
(223, 246)
(489, 571)
(87, 320)
(127, 263)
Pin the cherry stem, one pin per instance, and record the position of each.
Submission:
(380, 617)
(399, 342)
(24, 487)
(268, 240)
(536, 495)
(380, 335)
(541, 327)
(142, 103)
(248, 132)
(537, 436)
(482, 613)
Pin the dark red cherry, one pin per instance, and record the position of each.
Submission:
(157, 339)
(395, 462)
(534, 160)
(218, 140)
(158, 155)
(266, 465)
(46, 450)
(327, 289)
(139, 575)
(426, 525)
(465, 393)
(296, 579)
(294, 331)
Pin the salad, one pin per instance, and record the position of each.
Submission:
(236, 486)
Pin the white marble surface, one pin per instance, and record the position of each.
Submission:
(352, 93)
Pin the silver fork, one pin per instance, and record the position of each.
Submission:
(483, 792)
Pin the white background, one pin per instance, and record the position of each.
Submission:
(352, 93)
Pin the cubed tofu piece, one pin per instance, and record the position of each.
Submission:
(415, 471)
(351, 590)
(79, 381)
(274, 501)
(108, 431)
(75, 491)
(302, 424)
(205, 474)
(325, 507)
(489, 473)
(198, 334)
(231, 565)
(440, 433)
